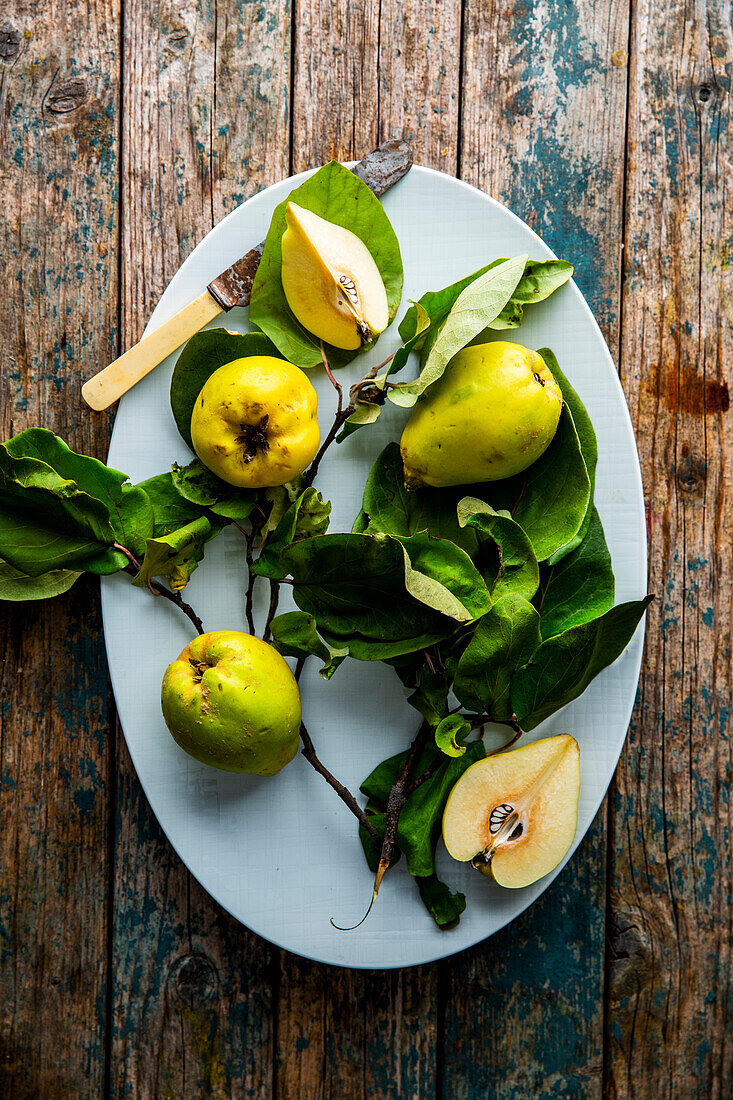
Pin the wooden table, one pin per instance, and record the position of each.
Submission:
(127, 129)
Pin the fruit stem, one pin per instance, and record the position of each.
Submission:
(274, 600)
(251, 578)
(395, 802)
(157, 589)
(343, 792)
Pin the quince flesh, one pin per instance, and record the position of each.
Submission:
(492, 414)
(231, 701)
(254, 423)
(514, 815)
(331, 282)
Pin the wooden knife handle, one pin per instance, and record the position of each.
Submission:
(110, 384)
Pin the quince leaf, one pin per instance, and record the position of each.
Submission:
(588, 445)
(294, 634)
(196, 484)
(444, 906)
(503, 641)
(389, 508)
(175, 555)
(61, 509)
(451, 733)
(475, 308)
(334, 193)
(562, 666)
(518, 569)
(306, 517)
(580, 587)
(16, 586)
(202, 355)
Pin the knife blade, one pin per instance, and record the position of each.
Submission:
(379, 170)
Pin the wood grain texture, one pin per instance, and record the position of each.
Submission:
(58, 242)
(671, 999)
(206, 99)
(543, 122)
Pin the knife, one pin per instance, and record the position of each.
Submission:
(379, 170)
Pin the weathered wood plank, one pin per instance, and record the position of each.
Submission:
(363, 74)
(543, 107)
(59, 71)
(670, 995)
(206, 98)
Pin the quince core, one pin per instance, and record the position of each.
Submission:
(231, 701)
(514, 815)
(255, 422)
(494, 412)
(331, 281)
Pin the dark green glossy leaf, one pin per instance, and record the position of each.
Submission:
(16, 587)
(389, 508)
(562, 667)
(175, 555)
(339, 196)
(199, 486)
(550, 499)
(504, 640)
(442, 576)
(444, 906)
(588, 445)
(306, 517)
(201, 357)
(170, 509)
(580, 587)
(430, 697)
(294, 634)
(475, 308)
(518, 570)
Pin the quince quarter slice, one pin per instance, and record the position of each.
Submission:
(331, 282)
(515, 815)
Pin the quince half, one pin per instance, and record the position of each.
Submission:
(331, 281)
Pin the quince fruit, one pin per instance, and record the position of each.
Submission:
(331, 281)
(514, 815)
(231, 701)
(493, 412)
(254, 423)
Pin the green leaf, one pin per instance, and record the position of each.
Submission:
(365, 413)
(129, 510)
(354, 586)
(444, 906)
(562, 667)
(339, 196)
(442, 576)
(580, 587)
(199, 486)
(306, 517)
(451, 733)
(540, 279)
(50, 520)
(475, 308)
(550, 499)
(201, 357)
(175, 555)
(392, 510)
(16, 587)
(418, 829)
(170, 509)
(518, 569)
(294, 634)
(504, 640)
(588, 445)
(430, 697)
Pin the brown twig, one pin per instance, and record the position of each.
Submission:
(157, 589)
(369, 377)
(343, 792)
(272, 609)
